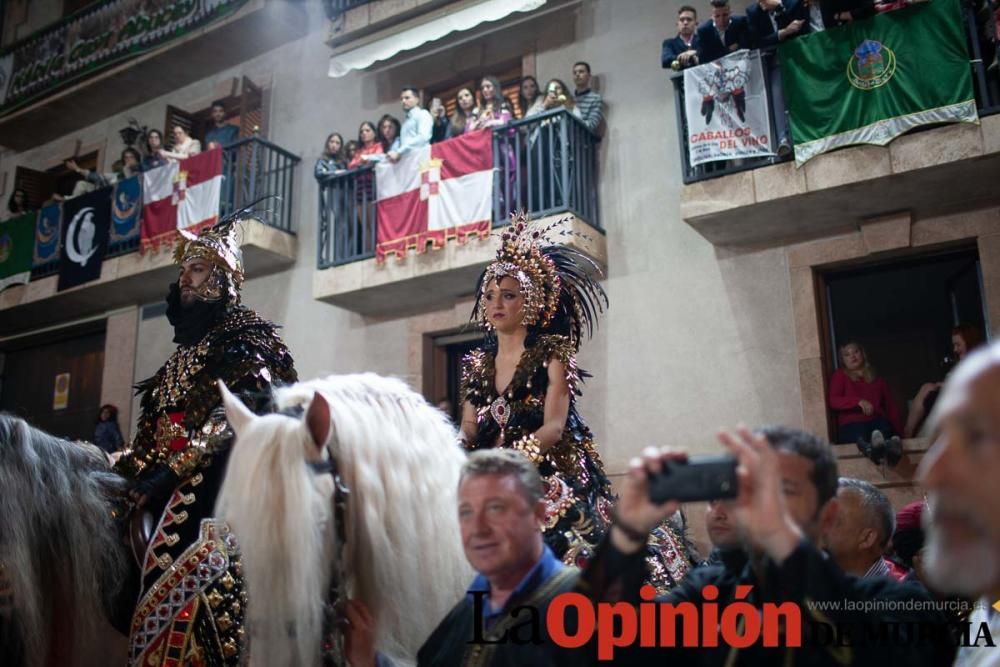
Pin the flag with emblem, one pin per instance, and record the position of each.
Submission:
(86, 224)
(47, 236)
(867, 82)
(433, 194)
(17, 242)
(126, 210)
(180, 195)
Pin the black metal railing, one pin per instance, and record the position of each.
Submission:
(253, 168)
(546, 164)
(985, 81)
(346, 217)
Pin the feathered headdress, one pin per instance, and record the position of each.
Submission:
(557, 282)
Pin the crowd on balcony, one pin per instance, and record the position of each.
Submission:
(767, 23)
(484, 108)
(150, 152)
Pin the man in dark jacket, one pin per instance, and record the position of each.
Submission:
(682, 49)
(722, 34)
(787, 486)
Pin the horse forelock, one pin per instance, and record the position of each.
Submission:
(400, 460)
(278, 513)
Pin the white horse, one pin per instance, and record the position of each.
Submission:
(400, 460)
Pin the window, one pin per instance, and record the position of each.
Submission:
(41, 185)
(902, 313)
(247, 111)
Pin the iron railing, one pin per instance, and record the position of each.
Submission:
(251, 169)
(985, 81)
(545, 164)
(346, 217)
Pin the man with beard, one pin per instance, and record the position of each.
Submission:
(191, 601)
(960, 472)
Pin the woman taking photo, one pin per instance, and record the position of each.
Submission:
(519, 390)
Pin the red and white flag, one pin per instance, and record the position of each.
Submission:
(434, 194)
(180, 195)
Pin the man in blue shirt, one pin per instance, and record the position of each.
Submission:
(501, 619)
(722, 34)
(501, 512)
(221, 133)
(417, 127)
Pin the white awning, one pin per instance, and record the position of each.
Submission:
(410, 38)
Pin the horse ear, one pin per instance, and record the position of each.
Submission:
(238, 415)
(318, 420)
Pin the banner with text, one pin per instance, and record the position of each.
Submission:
(726, 107)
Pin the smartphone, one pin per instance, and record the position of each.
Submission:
(697, 478)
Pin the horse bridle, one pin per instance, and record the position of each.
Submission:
(333, 620)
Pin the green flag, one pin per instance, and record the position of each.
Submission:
(17, 246)
(870, 81)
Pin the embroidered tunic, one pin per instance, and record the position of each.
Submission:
(578, 494)
(190, 610)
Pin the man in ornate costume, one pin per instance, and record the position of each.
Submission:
(519, 390)
(190, 609)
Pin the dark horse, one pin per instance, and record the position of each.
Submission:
(65, 573)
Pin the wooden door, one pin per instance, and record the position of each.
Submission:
(30, 375)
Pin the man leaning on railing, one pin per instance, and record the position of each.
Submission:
(417, 128)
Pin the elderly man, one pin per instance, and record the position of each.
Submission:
(787, 485)
(960, 473)
(862, 530)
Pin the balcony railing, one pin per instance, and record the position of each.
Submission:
(546, 164)
(986, 84)
(254, 167)
(251, 168)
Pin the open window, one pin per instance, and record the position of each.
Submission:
(41, 185)
(902, 312)
(246, 110)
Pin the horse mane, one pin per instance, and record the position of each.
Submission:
(400, 459)
(62, 558)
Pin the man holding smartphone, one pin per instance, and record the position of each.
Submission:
(787, 494)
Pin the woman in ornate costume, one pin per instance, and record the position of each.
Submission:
(519, 390)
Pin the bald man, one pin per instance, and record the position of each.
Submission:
(961, 473)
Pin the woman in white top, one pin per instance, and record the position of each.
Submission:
(184, 145)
